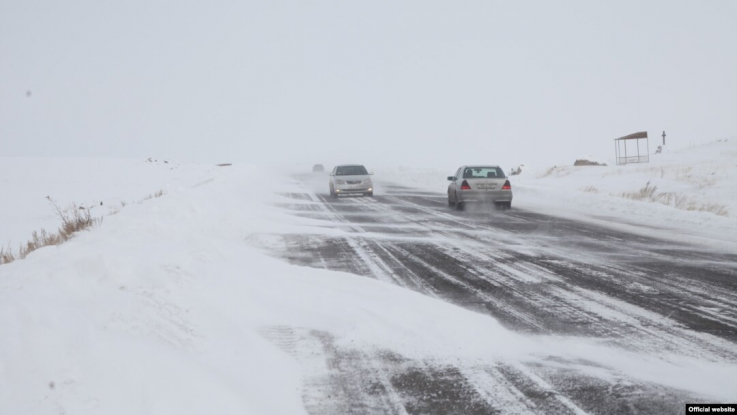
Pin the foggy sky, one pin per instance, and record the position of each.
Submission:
(403, 82)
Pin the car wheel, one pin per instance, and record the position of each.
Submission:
(332, 192)
(503, 205)
(369, 194)
(457, 203)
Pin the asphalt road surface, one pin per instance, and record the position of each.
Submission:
(532, 272)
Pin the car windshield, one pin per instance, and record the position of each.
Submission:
(350, 171)
(483, 173)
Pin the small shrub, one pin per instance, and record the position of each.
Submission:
(70, 223)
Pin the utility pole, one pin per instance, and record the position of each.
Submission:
(663, 137)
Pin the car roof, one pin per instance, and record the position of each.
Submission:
(480, 165)
(349, 165)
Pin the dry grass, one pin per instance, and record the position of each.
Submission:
(549, 171)
(590, 189)
(645, 193)
(556, 171)
(73, 220)
(650, 193)
(154, 195)
(6, 256)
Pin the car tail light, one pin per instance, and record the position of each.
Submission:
(465, 186)
(507, 186)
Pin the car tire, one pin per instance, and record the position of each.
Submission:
(457, 203)
(332, 192)
(369, 194)
(504, 205)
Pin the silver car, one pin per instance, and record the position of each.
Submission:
(479, 184)
(350, 179)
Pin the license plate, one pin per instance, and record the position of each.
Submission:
(486, 186)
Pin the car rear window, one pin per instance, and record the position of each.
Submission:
(350, 171)
(483, 173)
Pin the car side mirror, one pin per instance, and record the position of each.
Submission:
(451, 178)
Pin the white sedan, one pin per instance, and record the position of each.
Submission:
(350, 179)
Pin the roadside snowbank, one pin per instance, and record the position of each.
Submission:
(26, 182)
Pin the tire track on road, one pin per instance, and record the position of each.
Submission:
(533, 274)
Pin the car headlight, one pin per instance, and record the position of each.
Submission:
(340, 181)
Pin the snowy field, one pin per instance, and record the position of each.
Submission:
(164, 306)
(692, 195)
(103, 185)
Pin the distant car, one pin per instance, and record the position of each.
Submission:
(479, 184)
(318, 168)
(350, 179)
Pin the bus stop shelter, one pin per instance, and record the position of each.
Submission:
(627, 149)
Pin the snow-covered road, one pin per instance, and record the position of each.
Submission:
(223, 296)
(535, 274)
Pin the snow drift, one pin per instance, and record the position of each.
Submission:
(161, 310)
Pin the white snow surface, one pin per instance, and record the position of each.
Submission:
(161, 308)
(690, 179)
(85, 182)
